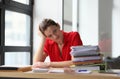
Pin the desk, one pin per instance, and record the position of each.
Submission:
(93, 75)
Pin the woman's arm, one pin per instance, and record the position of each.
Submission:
(39, 54)
(61, 64)
(52, 64)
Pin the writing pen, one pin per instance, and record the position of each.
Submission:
(82, 70)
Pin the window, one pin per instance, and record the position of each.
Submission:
(14, 58)
(67, 17)
(16, 32)
(22, 1)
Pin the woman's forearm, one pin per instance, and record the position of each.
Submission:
(61, 64)
(52, 64)
(39, 56)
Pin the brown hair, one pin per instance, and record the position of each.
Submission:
(45, 24)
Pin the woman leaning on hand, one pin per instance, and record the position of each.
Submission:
(56, 44)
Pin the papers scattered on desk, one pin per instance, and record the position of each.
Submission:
(40, 70)
(111, 71)
(115, 70)
(50, 70)
(56, 70)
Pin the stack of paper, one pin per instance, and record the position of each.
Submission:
(84, 50)
(86, 55)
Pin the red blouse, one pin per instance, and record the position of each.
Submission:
(52, 50)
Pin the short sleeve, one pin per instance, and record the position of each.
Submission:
(76, 39)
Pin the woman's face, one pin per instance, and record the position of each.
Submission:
(53, 32)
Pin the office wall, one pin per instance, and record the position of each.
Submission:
(88, 21)
(45, 9)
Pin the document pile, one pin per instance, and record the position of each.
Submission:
(85, 55)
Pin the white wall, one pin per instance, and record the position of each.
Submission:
(45, 9)
(88, 21)
(84, 14)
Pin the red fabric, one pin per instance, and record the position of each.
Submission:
(70, 39)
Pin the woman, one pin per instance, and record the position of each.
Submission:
(56, 44)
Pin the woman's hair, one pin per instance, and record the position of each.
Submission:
(46, 23)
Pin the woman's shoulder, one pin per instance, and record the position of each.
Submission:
(72, 33)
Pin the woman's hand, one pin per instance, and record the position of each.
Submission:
(41, 65)
(41, 34)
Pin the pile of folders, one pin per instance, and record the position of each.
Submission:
(86, 55)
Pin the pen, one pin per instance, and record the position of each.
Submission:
(82, 70)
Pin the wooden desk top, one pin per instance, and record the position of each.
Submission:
(93, 75)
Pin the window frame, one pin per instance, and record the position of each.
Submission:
(20, 8)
